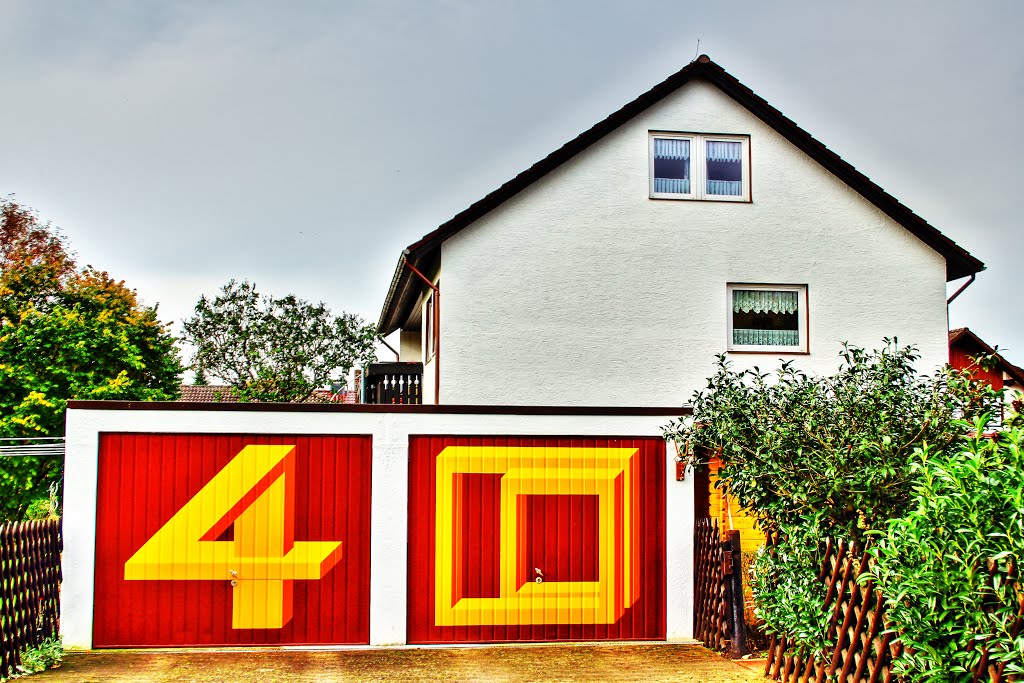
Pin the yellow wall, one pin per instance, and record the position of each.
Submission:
(731, 516)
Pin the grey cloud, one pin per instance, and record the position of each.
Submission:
(304, 144)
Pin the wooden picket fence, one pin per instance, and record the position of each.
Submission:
(865, 647)
(29, 588)
(718, 589)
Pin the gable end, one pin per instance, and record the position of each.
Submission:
(425, 253)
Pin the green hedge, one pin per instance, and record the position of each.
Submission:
(949, 568)
(843, 456)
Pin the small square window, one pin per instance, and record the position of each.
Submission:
(671, 161)
(692, 166)
(768, 318)
(724, 168)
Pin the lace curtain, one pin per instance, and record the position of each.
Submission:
(764, 301)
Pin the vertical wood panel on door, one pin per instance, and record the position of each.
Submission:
(232, 540)
(536, 539)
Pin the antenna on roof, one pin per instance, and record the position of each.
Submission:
(697, 53)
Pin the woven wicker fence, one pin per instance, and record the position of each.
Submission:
(29, 588)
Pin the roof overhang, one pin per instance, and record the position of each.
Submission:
(426, 253)
(406, 287)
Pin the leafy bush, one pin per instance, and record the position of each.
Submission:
(834, 451)
(788, 594)
(819, 456)
(934, 564)
(45, 508)
(756, 639)
(47, 655)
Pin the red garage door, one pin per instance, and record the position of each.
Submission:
(515, 539)
(232, 540)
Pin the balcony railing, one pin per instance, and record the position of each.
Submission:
(393, 383)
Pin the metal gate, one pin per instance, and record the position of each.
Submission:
(538, 539)
(232, 540)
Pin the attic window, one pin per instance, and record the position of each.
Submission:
(699, 166)
(768, 318)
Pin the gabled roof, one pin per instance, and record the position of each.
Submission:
(975, 345)
(425, 254)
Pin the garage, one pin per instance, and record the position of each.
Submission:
(536, 539)
(232, 539)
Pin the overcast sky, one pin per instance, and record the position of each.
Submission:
(303, 145)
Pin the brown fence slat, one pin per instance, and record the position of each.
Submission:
(864, 648)
(712, 622)
(29, 588)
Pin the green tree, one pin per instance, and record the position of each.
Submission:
(274, 349)
(65, 333)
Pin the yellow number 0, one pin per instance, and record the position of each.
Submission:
(255, 492)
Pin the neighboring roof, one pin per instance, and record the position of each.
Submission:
(208, 393)
(223, 393)
(962, 336)
(425, 254)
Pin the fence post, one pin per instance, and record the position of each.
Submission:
(734, 579)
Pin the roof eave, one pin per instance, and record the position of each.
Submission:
(405, 288)
(384, 323)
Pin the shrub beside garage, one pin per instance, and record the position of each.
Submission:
(875, 453)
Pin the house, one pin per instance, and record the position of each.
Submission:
(965, 347)
(578, 306)
(696, 219)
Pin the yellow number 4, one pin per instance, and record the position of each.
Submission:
(255, 492)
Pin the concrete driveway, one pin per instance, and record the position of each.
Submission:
(570, 662)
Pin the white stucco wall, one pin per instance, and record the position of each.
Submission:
(583, 291)
(427, 383)
(389, 494)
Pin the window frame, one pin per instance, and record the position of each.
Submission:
(802, 316)
(429, 349)
(698, 166)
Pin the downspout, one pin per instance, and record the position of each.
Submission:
(962, 288)
(437, 326)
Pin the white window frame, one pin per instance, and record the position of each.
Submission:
(429, 347)
(801, 290)
(698, 166)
